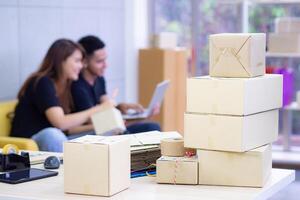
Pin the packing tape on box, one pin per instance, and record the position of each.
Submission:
(172, 147)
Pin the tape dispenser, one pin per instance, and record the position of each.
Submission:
(11, 159)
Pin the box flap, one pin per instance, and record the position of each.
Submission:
(95, 139)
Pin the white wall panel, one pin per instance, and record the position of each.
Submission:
(112, 32)
(96, 4)
(9, 58)
(44, 3)
(77, 23)
(39, 28)
(29, 27)
(8, 2)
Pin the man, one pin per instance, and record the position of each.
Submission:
(90, 89)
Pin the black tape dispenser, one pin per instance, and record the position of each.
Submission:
(10, 159)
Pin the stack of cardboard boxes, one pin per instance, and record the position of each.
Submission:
(231, 117)
(286, 38)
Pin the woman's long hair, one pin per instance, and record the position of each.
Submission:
(51, 67)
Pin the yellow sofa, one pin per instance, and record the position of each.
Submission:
(6, 108)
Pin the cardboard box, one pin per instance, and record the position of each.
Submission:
(165, 64)
(108, 122)
(96, 165)
(234, 96)
(284, 42)
(237, 54)
(165, 40)
(250, 169)
(287, 25)
(177, 170)
(230, 133)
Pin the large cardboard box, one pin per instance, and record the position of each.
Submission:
(287, 25)
(156, 65)
(108, 122)
(251, 168)
(177, 170)
(230, 133)
(234, 96)
(237, 54)
(96, 165)
(284, 42)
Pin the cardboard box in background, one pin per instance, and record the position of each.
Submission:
(156, 65)
(234, 96)
(237, 54)
(164, 40)
(287, 25)
(230, 133)
(95, 165)
(284, 42)
(249, 169)
(108, 122)
(177, 170)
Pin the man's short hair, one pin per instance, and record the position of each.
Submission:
(91, 44)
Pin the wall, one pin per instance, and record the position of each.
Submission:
(137, 37)
(28, 27)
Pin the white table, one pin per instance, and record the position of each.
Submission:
(146, 188)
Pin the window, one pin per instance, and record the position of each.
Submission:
(195, 20)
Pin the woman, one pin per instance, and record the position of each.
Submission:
(45, 100)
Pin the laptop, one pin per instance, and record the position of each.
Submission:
(157, 98)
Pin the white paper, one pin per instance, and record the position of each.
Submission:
(138, 139)
(154, 137)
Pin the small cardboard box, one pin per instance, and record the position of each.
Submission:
(237, 54)
(177, 170)
(234, 96)
(284, 42)
(287, 25)
(108, 122)
(249, 169)
(230, 133)
(96, 165)
(165, 40)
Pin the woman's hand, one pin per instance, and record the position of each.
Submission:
(103, 106)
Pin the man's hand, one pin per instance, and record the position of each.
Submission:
(155, 111)
(124, 107)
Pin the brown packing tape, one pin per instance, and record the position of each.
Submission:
(172, 147)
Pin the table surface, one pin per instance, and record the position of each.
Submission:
(146, 188)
